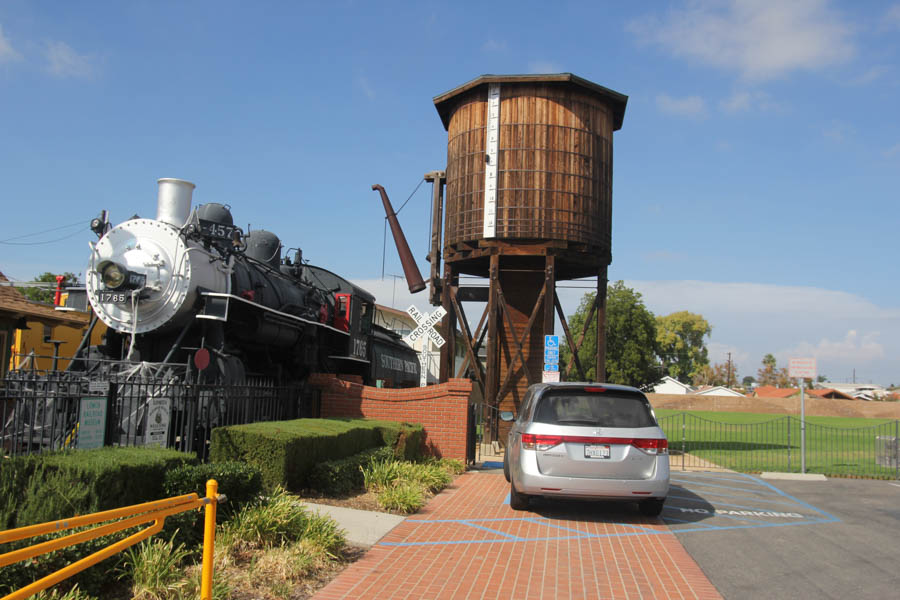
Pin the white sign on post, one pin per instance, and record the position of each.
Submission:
(802, 368)
(426, 326)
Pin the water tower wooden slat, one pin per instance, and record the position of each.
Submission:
(528, 203)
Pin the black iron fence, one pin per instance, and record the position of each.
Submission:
(775, 445)
(41, 412)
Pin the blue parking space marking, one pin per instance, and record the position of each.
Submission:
(759, 502)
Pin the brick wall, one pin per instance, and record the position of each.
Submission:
(820, 407)
(442, 409)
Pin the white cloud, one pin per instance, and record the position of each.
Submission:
(64, 61)
(718, 353)
(690, 106)
(544, 66)
(854, 348)
(745, 101)
(837, 131)
(758, 39)
(494, 46)
(367, 89)
(891, 19)
(871, 74)
(7, 52)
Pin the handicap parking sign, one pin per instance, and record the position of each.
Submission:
(551, 355)
(551, 341)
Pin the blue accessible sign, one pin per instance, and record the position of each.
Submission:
(551, 359)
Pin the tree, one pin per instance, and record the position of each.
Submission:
(748, 381)
(680, 339)
(630, 338)
(46, 294)
(712, 375)
(770, 374)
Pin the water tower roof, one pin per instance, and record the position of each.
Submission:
(443, 103)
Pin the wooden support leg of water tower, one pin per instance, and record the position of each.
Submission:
(493, 363)
(601, 324)
(549, 293)
(448, 324)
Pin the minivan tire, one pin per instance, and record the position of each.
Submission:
(517, 501)
(506, 465)
(651, 507)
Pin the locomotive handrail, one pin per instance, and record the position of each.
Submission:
(130, 516)
(272, 310)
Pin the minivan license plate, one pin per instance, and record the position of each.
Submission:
(596, 451)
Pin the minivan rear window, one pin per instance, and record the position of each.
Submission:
(606, 409)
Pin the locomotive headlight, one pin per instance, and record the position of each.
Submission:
(112, 275)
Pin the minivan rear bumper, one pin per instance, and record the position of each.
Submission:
(528, 480)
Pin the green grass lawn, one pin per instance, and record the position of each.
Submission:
(753, 442)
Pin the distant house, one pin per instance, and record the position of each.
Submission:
(17, 314)
(860, 391)
(770, 391)
(718, 390)
(829, 393)
(670, 385)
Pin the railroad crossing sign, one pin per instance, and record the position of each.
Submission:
(426, 326)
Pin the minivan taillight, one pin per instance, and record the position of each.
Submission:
(652, 446)
(533, 441)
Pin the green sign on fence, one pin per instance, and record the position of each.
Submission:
(91, 422)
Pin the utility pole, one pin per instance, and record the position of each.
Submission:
(728, 383)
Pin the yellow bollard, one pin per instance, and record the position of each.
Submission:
(209, 540)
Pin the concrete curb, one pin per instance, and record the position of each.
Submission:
(794, 476)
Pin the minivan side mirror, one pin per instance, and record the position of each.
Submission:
(507, 416)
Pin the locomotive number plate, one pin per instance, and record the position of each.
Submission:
(113, 297)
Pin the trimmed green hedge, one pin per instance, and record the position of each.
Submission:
(287, 451)
(46, 487)
(342, 476)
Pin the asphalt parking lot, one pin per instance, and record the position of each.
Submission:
(755, 538)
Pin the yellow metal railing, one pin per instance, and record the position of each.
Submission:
(131, 516)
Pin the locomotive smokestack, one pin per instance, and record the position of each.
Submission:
(173, 204)
(410, 270)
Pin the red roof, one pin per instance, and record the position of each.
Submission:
(770, 391)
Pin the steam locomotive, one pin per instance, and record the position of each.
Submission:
(191, 288)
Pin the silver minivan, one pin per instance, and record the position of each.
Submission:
(586, 440)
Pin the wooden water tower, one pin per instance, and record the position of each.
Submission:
(528, 203)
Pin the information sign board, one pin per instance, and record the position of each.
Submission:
(91, 423)
(157, 431)
(802, 368)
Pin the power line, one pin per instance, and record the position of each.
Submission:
(7, 242)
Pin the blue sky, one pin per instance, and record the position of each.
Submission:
(756, 174)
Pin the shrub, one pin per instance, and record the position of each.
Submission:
(154, 569)
(54, 593)
(340, 477)
(52, 486)
(287, 451)
(241, 484)
(406, 497)
(278, 520)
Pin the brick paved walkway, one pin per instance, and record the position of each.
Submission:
(467, 543)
